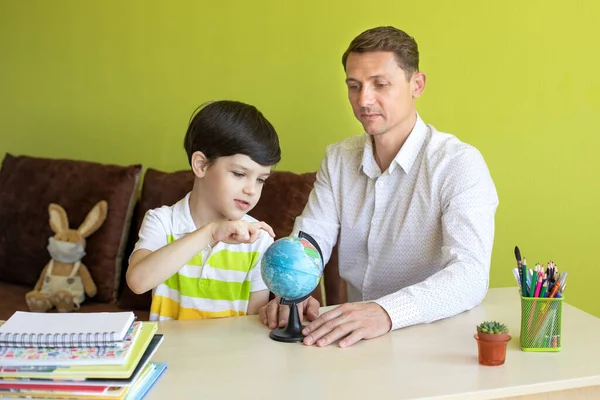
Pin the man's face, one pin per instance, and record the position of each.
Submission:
(381, 96)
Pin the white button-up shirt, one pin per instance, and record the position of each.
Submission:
(417, 238)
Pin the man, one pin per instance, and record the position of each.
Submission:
(413, 208)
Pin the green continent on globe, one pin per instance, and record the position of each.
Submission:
(312, 252)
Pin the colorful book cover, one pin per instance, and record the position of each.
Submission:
(112, 393)
(127, 381)
(141, 388)
(15, 385)
(88, 371)
(62, 356)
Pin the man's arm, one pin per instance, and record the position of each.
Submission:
(469, 202)
(320, 217)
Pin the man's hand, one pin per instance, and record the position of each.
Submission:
(350, 321)
(276, 315)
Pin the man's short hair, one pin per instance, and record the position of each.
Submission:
(387, 38)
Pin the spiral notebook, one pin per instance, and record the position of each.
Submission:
(143, 349)
(63, 356)
(26, 329)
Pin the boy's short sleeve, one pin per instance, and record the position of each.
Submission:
(152, 235)
(256, 280)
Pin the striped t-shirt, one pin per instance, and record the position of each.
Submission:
(214, 283)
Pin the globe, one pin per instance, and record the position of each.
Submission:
(292, 267)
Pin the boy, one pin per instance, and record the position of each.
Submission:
(202, 255)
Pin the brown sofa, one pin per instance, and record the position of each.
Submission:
(29, 184)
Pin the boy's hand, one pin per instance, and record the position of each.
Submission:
(234, 232)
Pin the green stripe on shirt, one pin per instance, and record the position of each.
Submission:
(209, 288)
(225, 259)
(233, 260)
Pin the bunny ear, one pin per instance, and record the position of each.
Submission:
(94, 219)
(58, 218)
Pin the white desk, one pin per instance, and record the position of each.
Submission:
(234, 358)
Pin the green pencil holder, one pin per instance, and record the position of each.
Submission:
(541, 324)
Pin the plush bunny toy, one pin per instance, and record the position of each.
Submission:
(65, 280)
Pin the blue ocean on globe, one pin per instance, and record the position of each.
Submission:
(291, 267)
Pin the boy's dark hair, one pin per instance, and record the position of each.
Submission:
(225, 128)
(387, 38)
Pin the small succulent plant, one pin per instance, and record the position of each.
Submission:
(492, 327)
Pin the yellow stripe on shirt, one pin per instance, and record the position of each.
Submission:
(168, 308)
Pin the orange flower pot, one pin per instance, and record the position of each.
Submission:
(492, 348)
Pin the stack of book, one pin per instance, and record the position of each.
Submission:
(78, 356)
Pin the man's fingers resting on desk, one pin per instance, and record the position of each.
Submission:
(309, 307)
(350, 322)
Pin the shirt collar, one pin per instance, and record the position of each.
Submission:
(405, 157)
(410, 149)
(182, 218)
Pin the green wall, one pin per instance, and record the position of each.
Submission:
(116, 82)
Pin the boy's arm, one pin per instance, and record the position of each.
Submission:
(147, 269)
(257, 300)
(153, 262)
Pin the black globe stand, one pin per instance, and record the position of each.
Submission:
(292, 333)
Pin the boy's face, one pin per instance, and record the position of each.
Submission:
(234, 184)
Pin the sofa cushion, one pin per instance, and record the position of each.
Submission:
(28, 185)
(283, 199)
(158, 189)
(13, 299)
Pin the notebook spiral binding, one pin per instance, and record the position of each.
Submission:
(103, 339)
